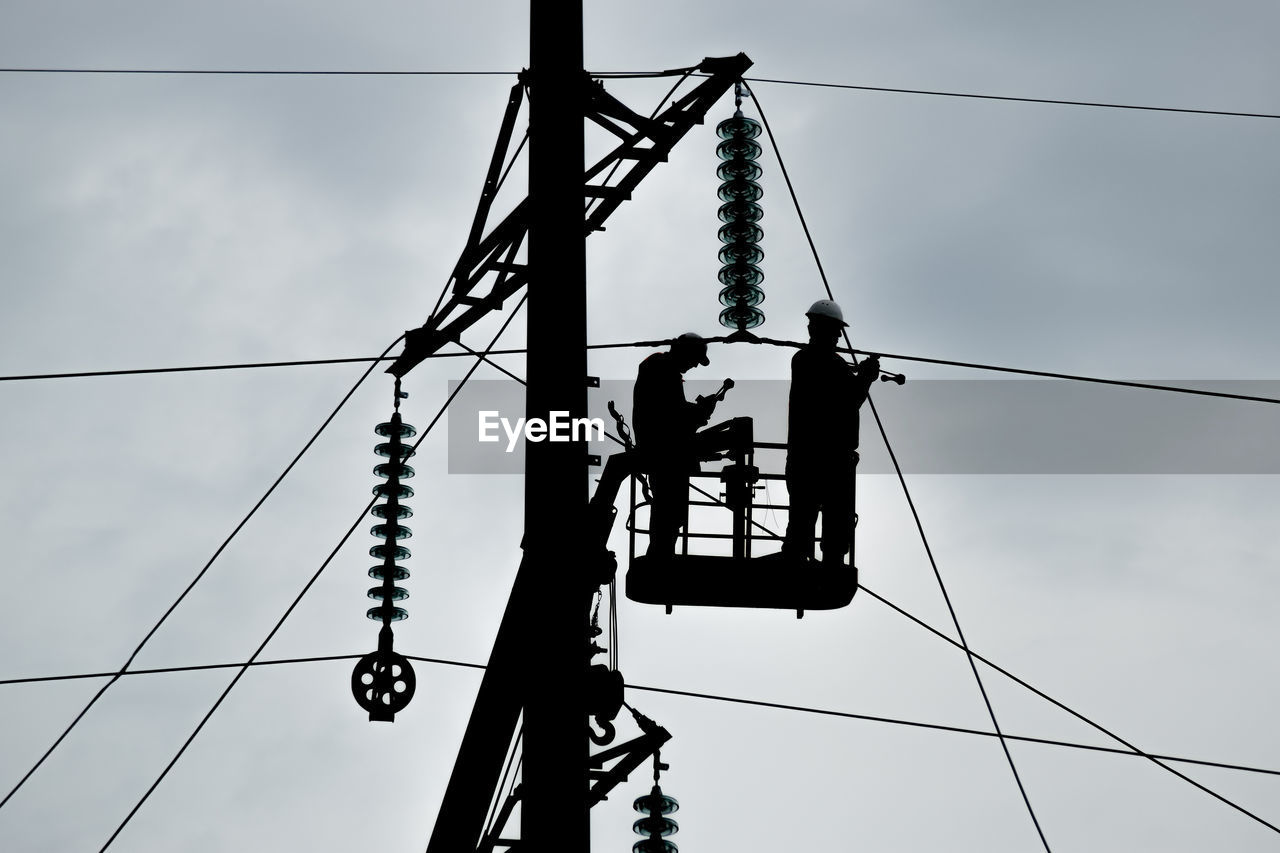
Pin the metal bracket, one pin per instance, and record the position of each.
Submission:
(643, 143)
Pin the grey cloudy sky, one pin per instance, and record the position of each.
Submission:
(171, 220)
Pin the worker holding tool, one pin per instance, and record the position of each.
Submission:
(666, 426)
(822, 438)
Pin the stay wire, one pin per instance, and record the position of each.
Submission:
(1130, 749)
(316, 576)
(1156, 759)
(920, 528)
(199, 575)
(1004, 745)
(500, 793)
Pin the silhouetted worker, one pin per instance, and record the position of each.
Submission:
(822, 437)
(665, 425)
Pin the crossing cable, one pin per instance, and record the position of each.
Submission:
(245, 668)
(1157, 759)
(920, 528)
(1004, 745)
(970, 365)
(264, 72)
(1130, 751)
(971, 95)
(512, 769)
(627, 74)
(197, 578)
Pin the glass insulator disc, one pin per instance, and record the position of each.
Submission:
(390, 449)
(656, 802)
(397, 613)
(398, 573)
(395, 531)
(397, 593)
(402, 429)
(732, 297)
(738, 126)
(386, 490)
(384, 510)
(394, 552)
(741, 317)
(655, 825)
(399, 470)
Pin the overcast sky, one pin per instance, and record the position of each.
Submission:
(162, 220)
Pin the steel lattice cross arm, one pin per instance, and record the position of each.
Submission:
(643, 143)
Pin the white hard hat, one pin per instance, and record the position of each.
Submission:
(827, 309)
(693, 342)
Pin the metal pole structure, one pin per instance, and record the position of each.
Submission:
(554, 813)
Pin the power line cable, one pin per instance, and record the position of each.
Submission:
(1128, 751)
(943, 728)
(920, 528)
(245, 668)
(1026, 799)
(1157, 759)
(975, 96)
(280, 72)
(199, 575)
(248, 72)
(970, 365)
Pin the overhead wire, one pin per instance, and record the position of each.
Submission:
(1026, 799)
(284, 72)
(199, 575)
(970, 365)
(311, 582)
(971, 656)
(1157, 759)
(1129, 750)
(982, 97)
(266, 72)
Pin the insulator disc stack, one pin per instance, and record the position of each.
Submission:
(740, 212)
(390, 531)
(655, 826)
(383, 681)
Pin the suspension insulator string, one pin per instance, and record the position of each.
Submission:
(383, 681)
(741, 213)
(655, 826)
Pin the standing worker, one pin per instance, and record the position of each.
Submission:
(665, 425)
(822, 438)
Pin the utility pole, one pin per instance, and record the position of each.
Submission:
(539, 663)
(554, 812)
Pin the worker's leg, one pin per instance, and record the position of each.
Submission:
(668, 512)
(802, 515)
(838, 512)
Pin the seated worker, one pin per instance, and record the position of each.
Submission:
(666, 425)
(822, 438)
